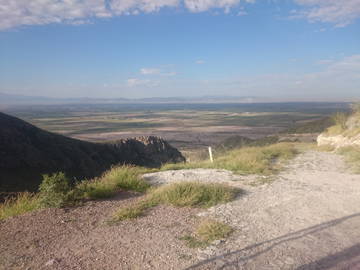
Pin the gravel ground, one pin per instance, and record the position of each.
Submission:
(308, 218)
(79, 238)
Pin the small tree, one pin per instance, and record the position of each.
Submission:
(54, 189)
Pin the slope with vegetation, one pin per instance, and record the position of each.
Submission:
(344, 136)
(27, 152)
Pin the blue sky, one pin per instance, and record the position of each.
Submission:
(289, 50)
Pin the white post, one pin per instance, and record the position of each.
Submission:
(210, 154)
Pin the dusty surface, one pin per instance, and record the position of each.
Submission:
(308, 218)
(79, 239)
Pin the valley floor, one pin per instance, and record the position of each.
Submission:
(307, 218)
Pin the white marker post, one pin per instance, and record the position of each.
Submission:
(210, 154)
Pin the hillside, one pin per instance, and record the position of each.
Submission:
(27, 152)
(307, 218)
(345, 132)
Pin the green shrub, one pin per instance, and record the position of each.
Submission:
(22, 203)
(54, 190)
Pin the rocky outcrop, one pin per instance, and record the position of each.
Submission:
(27, 152)
(350, 136)
(338, 141)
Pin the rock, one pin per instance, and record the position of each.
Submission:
(51, 262)
(338, 141)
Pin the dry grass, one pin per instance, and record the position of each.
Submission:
(185, 194)
(115, 179)
(207, 232)
(24, 202)
(247, 160)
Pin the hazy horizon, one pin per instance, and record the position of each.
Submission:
(294, 50)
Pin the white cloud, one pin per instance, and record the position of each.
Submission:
(15, 13)
(134, 82)
(199, 62)
(149, 71)
(157, 71)
(341, 13)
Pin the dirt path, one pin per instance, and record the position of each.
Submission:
(308, 218)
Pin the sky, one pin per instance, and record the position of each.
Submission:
(281, 49)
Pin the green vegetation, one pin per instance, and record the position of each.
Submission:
(210, 230)
(248, 160)
(193, 194)
(207, 232)
(346, 124)
(352, 157)
(54, 189)
(236, 142)
(117, 178)
(14, 206)
(316, 126)
(130, 212)
(184, 194)
(340, 124)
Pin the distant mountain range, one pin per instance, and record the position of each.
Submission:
(9, 99)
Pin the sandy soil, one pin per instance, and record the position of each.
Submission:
(308, 218)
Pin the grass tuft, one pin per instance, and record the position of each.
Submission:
(185, 194)
(127, 178)
(23, 203)
(210, 230)
(207, 232)
(194, 194)
(117, 178)
(127, 213)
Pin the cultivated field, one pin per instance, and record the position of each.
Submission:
(186, 126)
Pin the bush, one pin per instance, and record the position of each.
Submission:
(14, 206)
(54, 190)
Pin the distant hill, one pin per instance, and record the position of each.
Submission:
(27, 152)
(9, 99)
